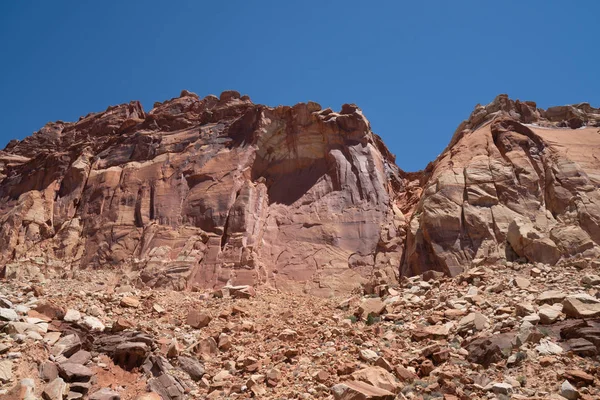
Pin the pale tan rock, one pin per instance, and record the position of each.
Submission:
(6, 370)
(288, 335)
(379, 378)
(549, 314)
(359, 391)
(473, 321)
(575, 308)
(131, 302)
(371, 306)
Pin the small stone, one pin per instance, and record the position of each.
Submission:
(591, 280)
(352, 390)
(547, 347)
(158, 308)
(105, 394)
(368, 355)
(546, 361)
(192, 367)
(568, 391)
(6, 370)
(321, 376)
(224, 342)
(197, 319)
(80, 357)
(122, 324)
(93, 324)
(55, 390)
(48, 371)
(72, 316)
(287, 335)
(522, 283)
(7, 314)
(222, 376)
(549, 313)
(371, 306)
(473, 321)
(502, 388)
(581, 307)
(131, 302)
(378, 377)
(524, 309)
(74, 372)
(207, 347)
(66, 346)
(551, 297)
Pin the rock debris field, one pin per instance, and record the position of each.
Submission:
(508, 331)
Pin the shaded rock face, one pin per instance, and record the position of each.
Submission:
(202, 192)
(206, 191)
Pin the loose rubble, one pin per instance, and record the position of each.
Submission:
(424, 338)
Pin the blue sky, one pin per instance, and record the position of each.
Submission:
(415, 68)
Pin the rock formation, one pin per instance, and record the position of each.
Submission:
(205, 192)
(515, 182)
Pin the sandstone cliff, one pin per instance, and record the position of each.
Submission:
(201, 192)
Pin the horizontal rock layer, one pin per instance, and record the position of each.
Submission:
(201, 192)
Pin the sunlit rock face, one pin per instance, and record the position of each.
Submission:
(202, 192)
(208, 191)
(515, 182)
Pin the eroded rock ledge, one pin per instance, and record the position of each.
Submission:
(201, 192)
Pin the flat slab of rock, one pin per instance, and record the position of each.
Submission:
(371, 306)
(360, 391)
(66, 346)
(379, 378)
(575, 308)
(192, 366)
(6, 370)
(105, 394)
(473, 321)
(549, 313)
(55, 390)
(131, 302)
(75, 372)
(551, 297)
(197, 319)
(7, 314)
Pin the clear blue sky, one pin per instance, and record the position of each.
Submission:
(415, 68)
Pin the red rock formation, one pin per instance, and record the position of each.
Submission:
(515, 181)
(206, 191)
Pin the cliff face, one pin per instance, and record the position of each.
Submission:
(515, 182)
(199, 192)
(206, 191)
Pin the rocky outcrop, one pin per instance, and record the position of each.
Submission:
(516, 182)
(206, 192)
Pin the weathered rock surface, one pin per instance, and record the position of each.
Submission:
(199, 192)
(220, 191)
(516, 181)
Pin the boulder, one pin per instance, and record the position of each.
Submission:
(379, 378)
(55, 390)
(574, 307)
(360, 391)
(197, 319)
